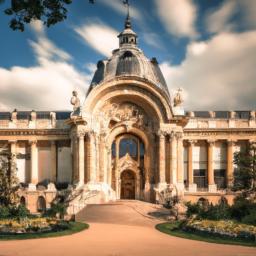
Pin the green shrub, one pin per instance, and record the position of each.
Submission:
(57, 209)
(4, 212)
(250, 219)
(241, 208)
(19, 211)
(212, 212)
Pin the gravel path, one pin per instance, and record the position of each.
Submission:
(119, 230)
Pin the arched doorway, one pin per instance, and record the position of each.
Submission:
(41, 204)
(128, 184)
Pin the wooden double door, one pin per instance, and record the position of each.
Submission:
(128, 185)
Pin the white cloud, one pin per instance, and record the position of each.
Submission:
(48, 85)
(248, 8)
(221, 19)
(178, 17)
(220, 75)
(99, 36)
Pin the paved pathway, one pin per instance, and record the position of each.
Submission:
(120, 229)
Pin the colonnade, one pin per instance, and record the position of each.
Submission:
(177, 144)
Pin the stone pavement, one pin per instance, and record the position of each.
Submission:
(119, 229)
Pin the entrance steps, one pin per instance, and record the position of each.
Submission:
(122, 210)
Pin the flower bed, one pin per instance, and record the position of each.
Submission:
(224, 228)
(31, 225)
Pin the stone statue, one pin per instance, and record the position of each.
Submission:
(75, 101)
(178, 98)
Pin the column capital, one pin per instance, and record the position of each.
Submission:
(231, 142)
(80, 135)
(32, 142)
(172, 136)
(211, 142)
(252, 141)
(53, 142)
(161, 134)
(179, 135)
(191, 142)
(12, 141)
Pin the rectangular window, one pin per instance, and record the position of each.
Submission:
(200, 178)
(220, 178)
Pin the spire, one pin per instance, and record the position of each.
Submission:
(127, 23)
(128, 37)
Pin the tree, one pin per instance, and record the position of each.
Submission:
(49, 12)
(9, 183)
(245, 172)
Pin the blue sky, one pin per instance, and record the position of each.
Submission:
(206, 47)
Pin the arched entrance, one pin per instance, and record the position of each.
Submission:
(128, 184)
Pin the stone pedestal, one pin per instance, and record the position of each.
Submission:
(212, 188)
(192, 187)
(162, 186)
(31, 187)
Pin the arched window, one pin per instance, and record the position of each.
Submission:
(23, 201)
(41, 204)
(113, 149)
(128, 145)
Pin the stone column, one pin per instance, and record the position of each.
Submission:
(81, 158)
(180, 164)
(109, 166)
(211, 183)
(192, 187)
(13, 148)
(98, 157)
(53, 161)
(92, 158)
(173, 161)
(230, 167)
(34, 165)
(162, 165)
(74, 152)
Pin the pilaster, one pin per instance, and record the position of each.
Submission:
(162, 160)
(211, 184)
(34, 164)
(173, 162)
(180, 169)
(80, 136)
(230, 167)
(192, 187)
(53, 161)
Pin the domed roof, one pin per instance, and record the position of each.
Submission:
(129, 60)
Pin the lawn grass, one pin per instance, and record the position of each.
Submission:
(74, 228)
(172, 228)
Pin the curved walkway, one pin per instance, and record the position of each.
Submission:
(119, 229)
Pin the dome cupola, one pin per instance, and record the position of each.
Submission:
(129, 61)
(128, 36)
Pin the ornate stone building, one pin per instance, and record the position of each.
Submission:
(128, 140)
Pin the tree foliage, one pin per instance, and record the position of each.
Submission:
(245, 171)
(9, 183)
(49, 12)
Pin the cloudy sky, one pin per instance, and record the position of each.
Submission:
(206, 47)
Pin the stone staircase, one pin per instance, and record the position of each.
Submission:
(91, 193)
(123, 212)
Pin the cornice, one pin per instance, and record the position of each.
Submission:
(39, 132)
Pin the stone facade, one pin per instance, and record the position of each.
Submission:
(128, 139)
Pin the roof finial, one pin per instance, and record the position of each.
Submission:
(127, 23)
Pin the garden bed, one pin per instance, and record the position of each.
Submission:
(208, 231)
(26, 228)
